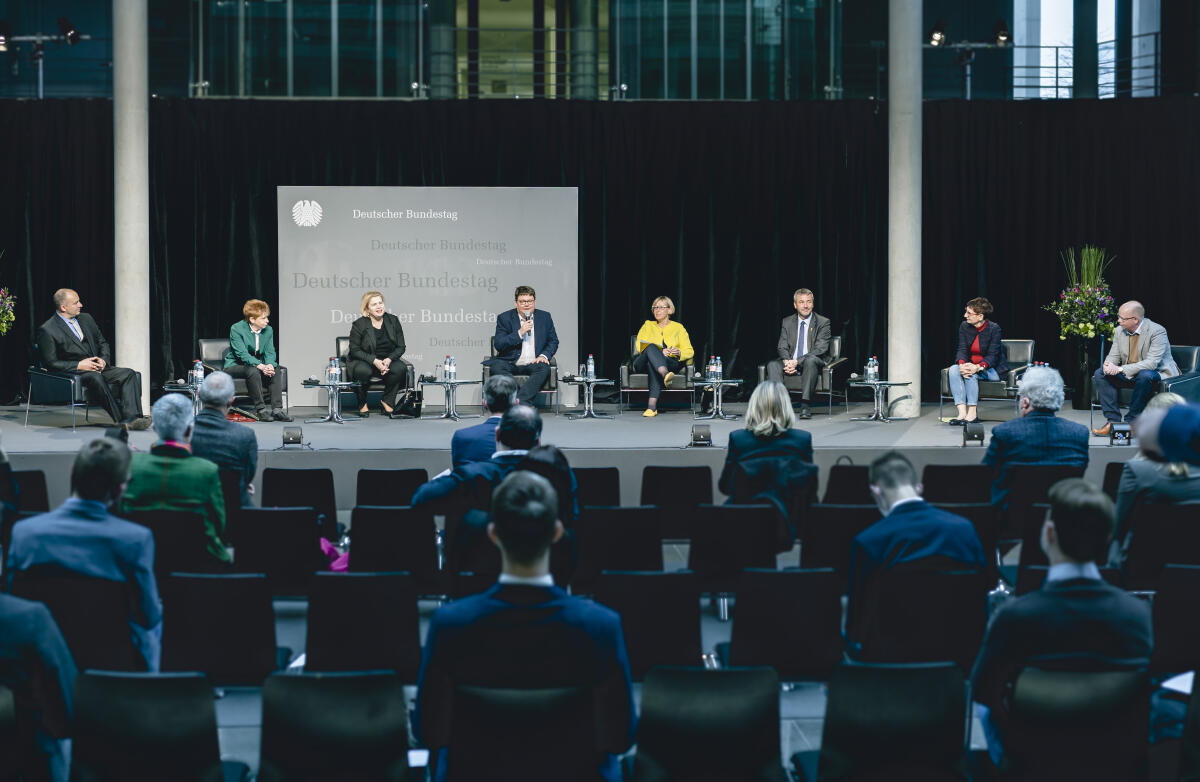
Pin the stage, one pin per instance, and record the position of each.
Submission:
(627, 441)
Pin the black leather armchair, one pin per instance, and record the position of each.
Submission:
(639, 382)
(1186, 383)
(342, 349)
(824, 379)
(551, 386)
(1018, 354)
(212, 355)
(55, 388)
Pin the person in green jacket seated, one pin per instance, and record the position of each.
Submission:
(252, 357)
(170, 478)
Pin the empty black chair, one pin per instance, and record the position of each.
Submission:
(32, 485)
(790, 620)
(536, 734)
(724, 540)
(296, 488)
(986, 522)
(147, 727)
(231, 492)
(344, 726)
(92, 613)
(180, 541)
(848, 484)
(1176, 632)
(1162, 534)
(1072, 724)
(389, 487)
(908, 614)
(660, 616)
(1034, 518)
(709, 726)
(829, 531)
(1030, 484)
(891, 721)
(391, 539)
(468, 548)
(615, 538)
(363, 622)
(222, 625)
(282, 543)
(1189, 749)
(957, 483)
(1112, 479)
(677, 491)
(598, 486)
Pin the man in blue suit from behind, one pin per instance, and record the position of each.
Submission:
(525, 341)
(477, 443)
(526, 633)
(1038, 436)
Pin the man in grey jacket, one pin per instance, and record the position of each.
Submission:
(1140, 358)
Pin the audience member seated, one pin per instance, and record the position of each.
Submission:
(37, 666)
(1074, 615)
(551, 463)
(524, 632)
(911, 534)
(1147, 482)
(477, 443)
(1170, 436)
(10, 494)
(225, 443)
(1038, 436)
(770, 461)
(171, 478)
(82, 536)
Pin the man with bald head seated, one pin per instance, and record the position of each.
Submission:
(1140, 357)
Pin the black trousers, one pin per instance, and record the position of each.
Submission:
(256, 381)
(648, 361)
(363, 372)
(536, 373)
(809, 370)
(116, 389)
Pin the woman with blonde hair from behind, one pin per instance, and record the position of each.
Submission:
(770, 461)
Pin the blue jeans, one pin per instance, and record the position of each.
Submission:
(965, 390)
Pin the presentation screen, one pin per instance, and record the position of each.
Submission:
(446, 259)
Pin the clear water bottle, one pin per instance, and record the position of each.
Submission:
(710, 367)
(720, 369)
(452, 374)
(197, 373)
(591, 367)
(872, 370)
(334, 373)
(446, 367)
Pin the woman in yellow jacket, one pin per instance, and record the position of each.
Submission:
(662, 348)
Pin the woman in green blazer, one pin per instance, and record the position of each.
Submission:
(251, 356)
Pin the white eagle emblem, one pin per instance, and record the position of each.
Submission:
(306, 213)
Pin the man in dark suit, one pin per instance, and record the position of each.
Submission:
(83, 537)
(803, 348)
(225, 443)
(1074, 614)
(525, 342)
(70, 341)
(911, 531)
(525, 632)
(477, 443)
(1038, 436)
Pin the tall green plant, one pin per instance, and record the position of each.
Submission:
(1088, 272)
(1085, 308)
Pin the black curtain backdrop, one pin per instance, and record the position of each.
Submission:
(725, 207)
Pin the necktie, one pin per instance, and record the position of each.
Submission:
(75, 327)
(1133, 348)
(800, 339)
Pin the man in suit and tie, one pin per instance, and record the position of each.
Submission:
(527, 633)
(1140, 357)
(477, 443)
(525, 342)
(70, 341)
(1074, 615)
(1038, 436)
(803, 348)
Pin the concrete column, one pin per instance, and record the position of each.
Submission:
(1085, 51)
(442, 82)
(1027, 31)
(904, 204)
(1147, 26)
(584, 67)
(131, 189)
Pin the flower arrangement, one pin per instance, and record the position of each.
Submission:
(8, 306)
(1085, 308)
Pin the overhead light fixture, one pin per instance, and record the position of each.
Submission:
(937, 36)
(68, 31)
(1001, 34)
(5, 36)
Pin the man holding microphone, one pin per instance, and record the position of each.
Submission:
(524, 343)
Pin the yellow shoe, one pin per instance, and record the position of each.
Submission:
(648, 413)
(667, 378)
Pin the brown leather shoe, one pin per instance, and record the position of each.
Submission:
(1103, 431)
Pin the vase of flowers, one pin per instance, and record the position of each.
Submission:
(1085, 311)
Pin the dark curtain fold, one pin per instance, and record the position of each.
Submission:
(724, 207)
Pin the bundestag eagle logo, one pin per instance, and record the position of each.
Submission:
(306, 213)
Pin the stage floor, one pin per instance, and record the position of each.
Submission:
(627, 441)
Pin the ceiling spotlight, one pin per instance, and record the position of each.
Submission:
(937, 36)
(1001, 34)
(5, 36)
(68, 30)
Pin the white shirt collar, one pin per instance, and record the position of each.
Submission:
(514, 452)
(1065, 571)
(898, 503)
(255, 331)
(546, 580)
